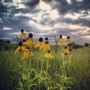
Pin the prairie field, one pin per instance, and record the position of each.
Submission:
(39, 73)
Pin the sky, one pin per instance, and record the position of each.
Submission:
(46, 18)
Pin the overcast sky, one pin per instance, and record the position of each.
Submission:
(46, 18)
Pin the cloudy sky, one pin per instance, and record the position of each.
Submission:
(46, 18)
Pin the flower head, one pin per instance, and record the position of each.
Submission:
(24, 40)
(66, 51)
(40, 39)
(26, 54)
(68, 37)
(48, 55)
(46, 42)
(20, 44)
(46, 38)
(24, 43)
(61, 40)
(60, 36)
(23, 34)
(68, 40)
(48, 51)
(20, 47)
(70, 51)
(30, 35)
(22, 30)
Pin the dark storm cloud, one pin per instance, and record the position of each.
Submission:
(31, 3)
(47, 1)
(23, 11)
(16, 23)
(3, 9)
(13, 16)
(5, 34)
(75, 6)
(6, 1)
(78, 21)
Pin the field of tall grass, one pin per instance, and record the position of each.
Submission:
(39, 73)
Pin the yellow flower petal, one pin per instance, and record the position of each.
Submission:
(61, 41)
(48, 55)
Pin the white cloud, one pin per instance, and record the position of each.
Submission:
(7, 28)
(54, 14)
(42, 5)
(73, 27)
(69, 1)
(43, 28)
(17, 1)
(74, 16)
(21, 6)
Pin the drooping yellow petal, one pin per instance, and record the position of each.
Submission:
(23, 48)
(46, 47)
(17, 49)
(23, 34)
(48, 55)
(30, 42)
(61, 41)
(24, 44)
(26, 54)
(68, 41)
(40, 45)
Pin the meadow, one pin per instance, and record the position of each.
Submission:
(39, 73)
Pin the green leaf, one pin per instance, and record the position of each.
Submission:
(24, 76)
(20, 84)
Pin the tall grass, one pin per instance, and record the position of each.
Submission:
(39, 73)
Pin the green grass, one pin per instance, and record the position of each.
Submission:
(38, 73)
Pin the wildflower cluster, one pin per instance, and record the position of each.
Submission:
(66, 53)
(27, 43)
(61, 40)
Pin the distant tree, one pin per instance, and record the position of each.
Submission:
(74, 45)
(8, 41)
(86, 44)
(2, 41)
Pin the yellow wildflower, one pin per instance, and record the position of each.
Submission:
(20, 47)
(30, 42)
(65, 53)
(26, 54)
(68, 40)
(40, 44)
(61, 40)
(23, 34)
(48, 55)
(70, 52)
(46, 45)
(24, 43)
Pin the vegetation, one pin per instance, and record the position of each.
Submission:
(39, 73)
